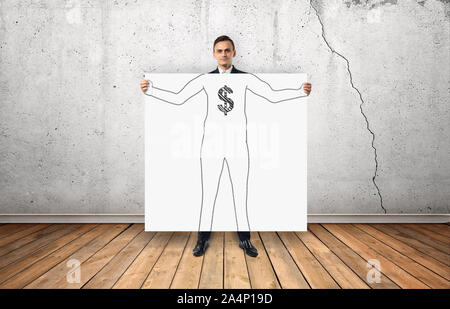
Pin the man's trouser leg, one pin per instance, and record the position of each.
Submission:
(204, 235)
(244, 235)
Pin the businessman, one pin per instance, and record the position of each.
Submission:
(231, 110)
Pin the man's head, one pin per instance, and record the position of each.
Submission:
(223, 51)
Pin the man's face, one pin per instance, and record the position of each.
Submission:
(224, 53)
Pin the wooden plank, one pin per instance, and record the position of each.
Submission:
(315, 274)
(351, 258)
(287, 272)
(415, 269)
(118, 267)
(432, 235)
(212, 269)
(164, 270)
(341, 273)
(56, 232)
(412, 253)
(37, 269)
(190, 267)
(11, 228)
(102, 257)
(19, 265)
(134, 276)
(109, 274)
(409, 232)
(394, 272)
(412, 242)
(261, 273)
(21, 232)
(29, 238)
(56, 277)
(235, 267)
(442, 229)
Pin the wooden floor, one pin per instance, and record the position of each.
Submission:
(333, 256)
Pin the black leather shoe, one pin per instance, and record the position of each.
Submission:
(200, 247)
(248, 247)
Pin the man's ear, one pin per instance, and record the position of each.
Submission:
(234, 53)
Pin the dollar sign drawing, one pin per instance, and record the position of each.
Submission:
(227, 102)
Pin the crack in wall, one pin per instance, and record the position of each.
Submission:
(360, 106)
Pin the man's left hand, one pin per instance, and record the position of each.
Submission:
(307, 88)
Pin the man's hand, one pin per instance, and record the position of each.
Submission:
(144, 85)
(307, 88)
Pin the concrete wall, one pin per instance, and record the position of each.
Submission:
(71, 111)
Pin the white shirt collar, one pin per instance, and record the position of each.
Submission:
(225, 71)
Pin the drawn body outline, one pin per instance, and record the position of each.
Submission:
(224, 160)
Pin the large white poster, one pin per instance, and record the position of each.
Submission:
(225, 152)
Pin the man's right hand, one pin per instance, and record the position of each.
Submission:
(144, 85)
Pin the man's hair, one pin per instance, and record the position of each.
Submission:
(221, 39)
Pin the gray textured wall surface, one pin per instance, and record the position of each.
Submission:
(71, 111)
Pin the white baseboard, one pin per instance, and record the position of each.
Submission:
(139, 218)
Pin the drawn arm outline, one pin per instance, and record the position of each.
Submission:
(264, 90)
(189, 90)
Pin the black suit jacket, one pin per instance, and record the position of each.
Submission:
(233, 70)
